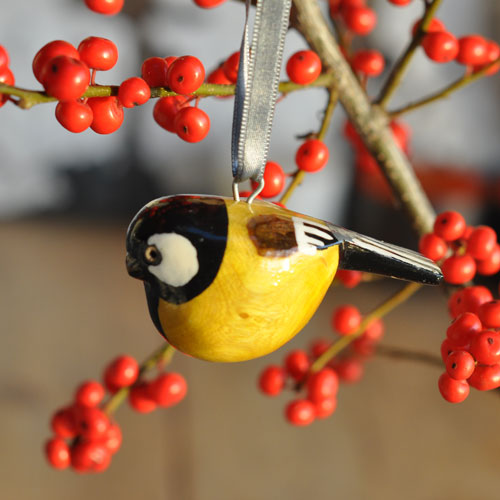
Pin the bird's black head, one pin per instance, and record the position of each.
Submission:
(176, 245)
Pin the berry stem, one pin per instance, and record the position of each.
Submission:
(379, 312)
(299, 175)
(161, 356)
(403, 62)
(458, 84)
(29, 98)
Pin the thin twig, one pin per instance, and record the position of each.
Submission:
(458, 84)
(382, 310)
(402, 64)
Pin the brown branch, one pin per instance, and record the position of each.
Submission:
(370, 121)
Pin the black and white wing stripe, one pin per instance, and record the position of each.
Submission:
(312, 236)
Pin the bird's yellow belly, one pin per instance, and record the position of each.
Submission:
(255, 303)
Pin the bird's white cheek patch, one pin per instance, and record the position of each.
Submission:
(179, 263)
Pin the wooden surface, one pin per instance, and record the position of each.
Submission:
(68, 306)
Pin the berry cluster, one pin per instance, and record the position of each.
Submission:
(461, 250)
(471, 350)
(355, 15)
(85, 437)
(473, 51)
(182, 75)
(321, 386)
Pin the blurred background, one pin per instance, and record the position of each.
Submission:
(69, 306)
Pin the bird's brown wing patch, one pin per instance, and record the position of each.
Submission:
(273, 236)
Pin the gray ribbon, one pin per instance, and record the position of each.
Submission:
(257, 89)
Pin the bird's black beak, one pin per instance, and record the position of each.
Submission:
(133, 267)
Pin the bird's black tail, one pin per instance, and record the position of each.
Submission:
(362, 253)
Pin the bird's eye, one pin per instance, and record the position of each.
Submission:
(152, 255)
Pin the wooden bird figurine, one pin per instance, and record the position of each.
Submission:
(232, 281)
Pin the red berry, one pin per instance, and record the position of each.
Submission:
(133, 92)
(400, 3)
(446, 349)
(297, 364)
(481, 242)
(463, 328)
(92, 423)
(374, 331)
(140, 399)
(472, 50)
(368, 62)
(218, 77)
(363, 346)
(57, 453)
(325, 407)
(349, 279)
(108, 114)
(272, 380)
(89, 394)
(185, 75)
(63, 423)
(121, 372)
(432, 246)
(98, 53)
(458, 269)
(48, 52)
(154, 71)
(165, 110)
(112, 439)
(492, 54)
(453, 391)
(346, 319)
(460, 365)
(485, 347)
(489, 314)
(318, 347)
(474, 296)
(312, 155)
(75, 116)
(90, 456)
(401, 133)
(231, 66)
(485, 377)
(168, 389)
(435, 26)
(490, 265)
(349, 370)
(360, 20)
(300, 412)
(322, 385)
(274, 180)
(65, 78)
(6, 77)
(449, 225)
(208, 4)
(191, 124)
(107, 7)
(303, 67)
(352, 135)
(440, 46)
(4, 57)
